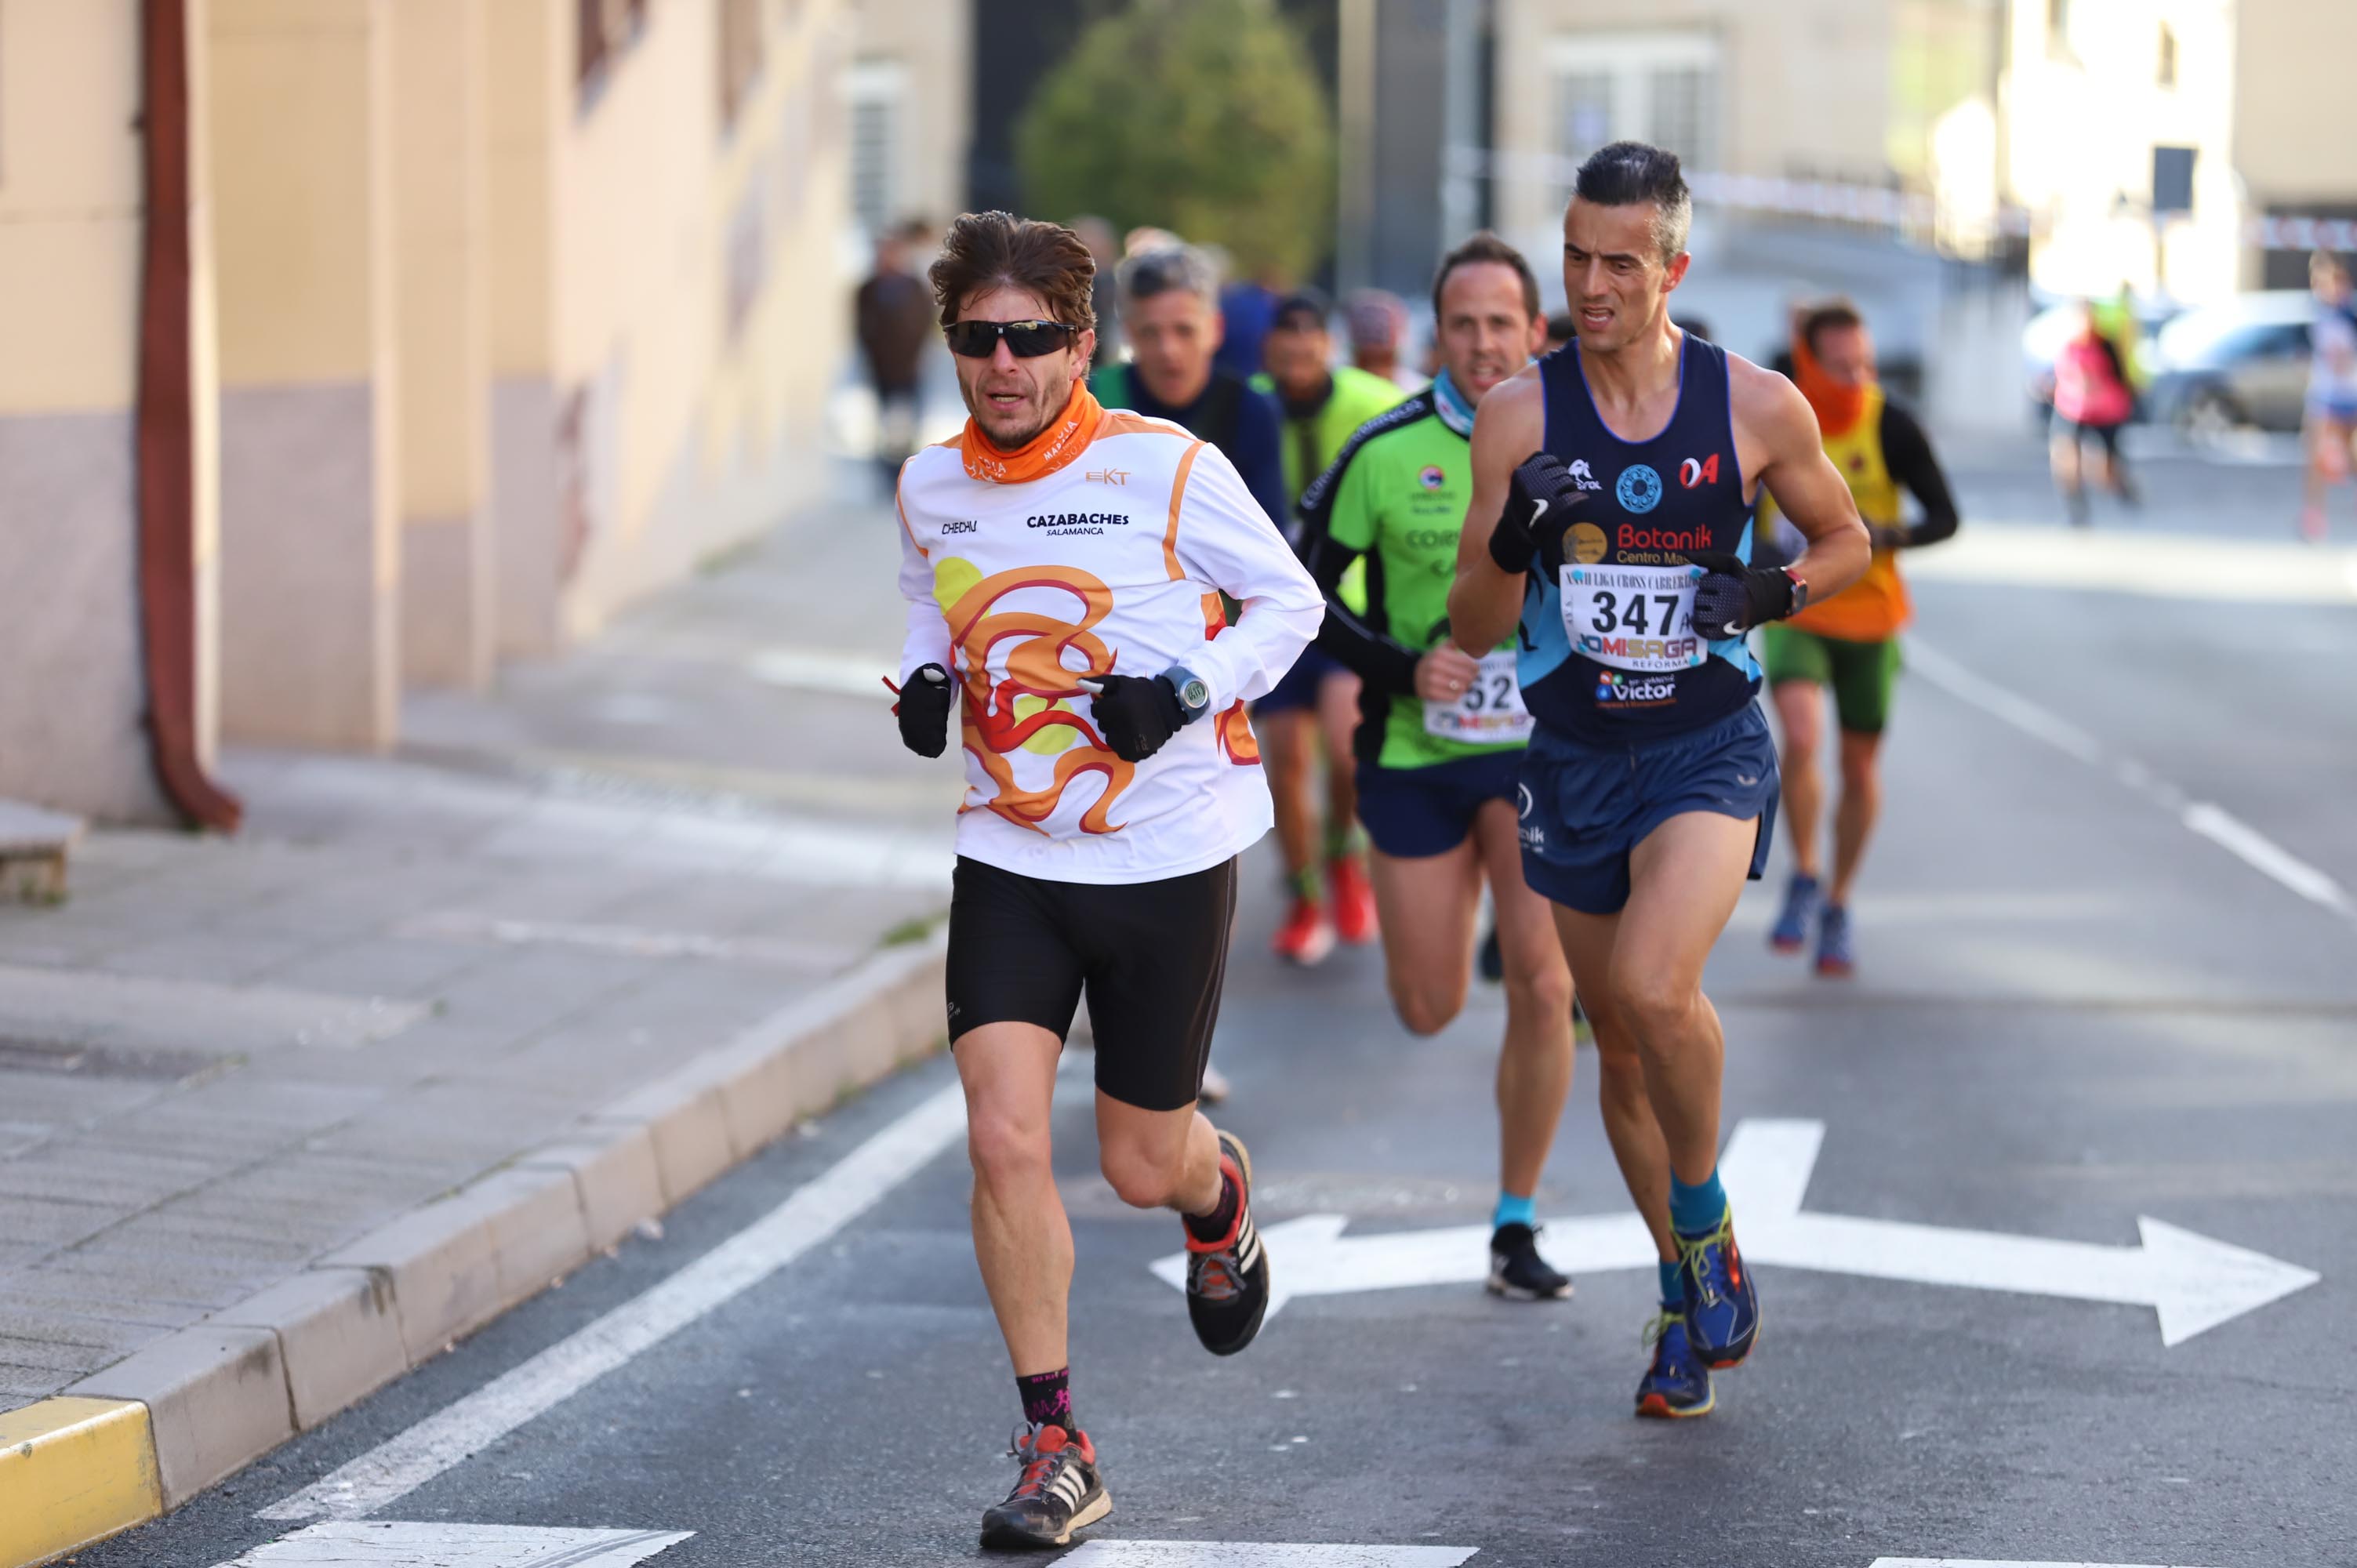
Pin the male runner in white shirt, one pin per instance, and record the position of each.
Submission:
(1063, 567)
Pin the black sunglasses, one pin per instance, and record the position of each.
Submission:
(1025, 339)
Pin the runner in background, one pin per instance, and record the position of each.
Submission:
(1169, 312)
(1441, 739)
(2332, 414)
(1323, 403)
(1378, 324)
(1850, 642)
(2092, 401)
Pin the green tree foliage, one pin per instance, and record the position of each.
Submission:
(1201, 116)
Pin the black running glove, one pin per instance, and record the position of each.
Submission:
(1136, 714)
(924, 710)
(1538, 511)
(1732, 597)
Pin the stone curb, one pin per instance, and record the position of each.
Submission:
(217, 1396)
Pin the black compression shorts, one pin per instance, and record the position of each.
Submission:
(1150, 956)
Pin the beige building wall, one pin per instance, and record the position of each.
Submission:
(2293, 65)
(442, 267)
(677, 316)
(73, 732)
(2082, 111)
(1780, 88)
(303, 215)
(914, 60)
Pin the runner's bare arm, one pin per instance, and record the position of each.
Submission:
(1486, 601)
(1779, 445)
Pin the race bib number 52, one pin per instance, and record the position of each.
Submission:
(1491, 711)
(1633, 618)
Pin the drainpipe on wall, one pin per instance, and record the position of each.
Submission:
(166, 451)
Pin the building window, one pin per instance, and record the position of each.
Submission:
(2168, 72)
(742, 38)
(1660, 88)
(604, 29)
(873, 92)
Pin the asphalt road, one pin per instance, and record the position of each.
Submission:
(2075, 1011)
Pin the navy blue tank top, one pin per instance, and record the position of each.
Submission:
(1608, 651)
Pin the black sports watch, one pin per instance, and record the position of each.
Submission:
(1194, 696)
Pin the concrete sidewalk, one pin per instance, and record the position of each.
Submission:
(284, 1116)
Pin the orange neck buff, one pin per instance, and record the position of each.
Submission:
(1066, 437)
(1838, 406)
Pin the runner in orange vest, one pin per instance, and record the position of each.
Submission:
(1849, 641)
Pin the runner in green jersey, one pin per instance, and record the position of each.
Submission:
(1440, 735)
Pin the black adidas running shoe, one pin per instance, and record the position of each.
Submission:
(1516, 1270)
(1059, 1492)
(1227, 1280)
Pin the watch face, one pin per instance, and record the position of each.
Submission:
(1195, 695)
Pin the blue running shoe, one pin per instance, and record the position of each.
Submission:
(1836, 958)
(1676, 1385)
(1791, 931)
(1722, 1309)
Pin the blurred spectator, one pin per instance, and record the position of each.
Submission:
(2331, 387)
(1105, 247)
(1378, 325)
(1560, 330)
(894, 315)
(1247, 307)
(2091, 399)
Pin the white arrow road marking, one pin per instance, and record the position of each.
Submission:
(352, 1543)
(1260, 1554)
(815, 1212)
(2190, 1280)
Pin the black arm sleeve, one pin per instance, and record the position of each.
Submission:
(1382, 663)
(1907, 452)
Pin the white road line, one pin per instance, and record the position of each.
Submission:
(815, 1212)
(1261, 1554)
(374, 1545)
(1992, 1562)
(2211, 822)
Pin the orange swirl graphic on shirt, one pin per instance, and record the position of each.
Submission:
(1036, 669)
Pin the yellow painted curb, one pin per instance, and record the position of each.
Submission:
(73, 1471)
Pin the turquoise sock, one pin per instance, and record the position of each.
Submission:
(1673, 1289)
(1696, 1210)
(1512, 1210)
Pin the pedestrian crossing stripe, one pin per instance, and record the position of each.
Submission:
(1260, 1554)
(372, 1544)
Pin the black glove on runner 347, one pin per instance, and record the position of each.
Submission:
(1732, 597)
(1136, 714)
(1538, 511)
(924, 710)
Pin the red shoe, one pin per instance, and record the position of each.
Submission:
(1307, 937)
(1355, 901)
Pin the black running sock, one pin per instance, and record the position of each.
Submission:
(1048, 1397)
(1215, 1226)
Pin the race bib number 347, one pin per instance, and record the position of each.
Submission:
(1633, 618)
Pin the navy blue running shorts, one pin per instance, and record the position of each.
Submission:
(1585, 807)
(1411, 812)
(1301, 683)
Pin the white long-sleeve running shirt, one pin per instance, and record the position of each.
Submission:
(1109, 556)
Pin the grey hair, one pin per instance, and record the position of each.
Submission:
(1626, 173)
(1162, 271)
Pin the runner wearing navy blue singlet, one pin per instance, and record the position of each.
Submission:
(1613, 492)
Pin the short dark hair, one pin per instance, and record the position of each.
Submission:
(1303, 310)
(1825, 316)
(989, 250)
(1486, 246)
(1624, 174)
